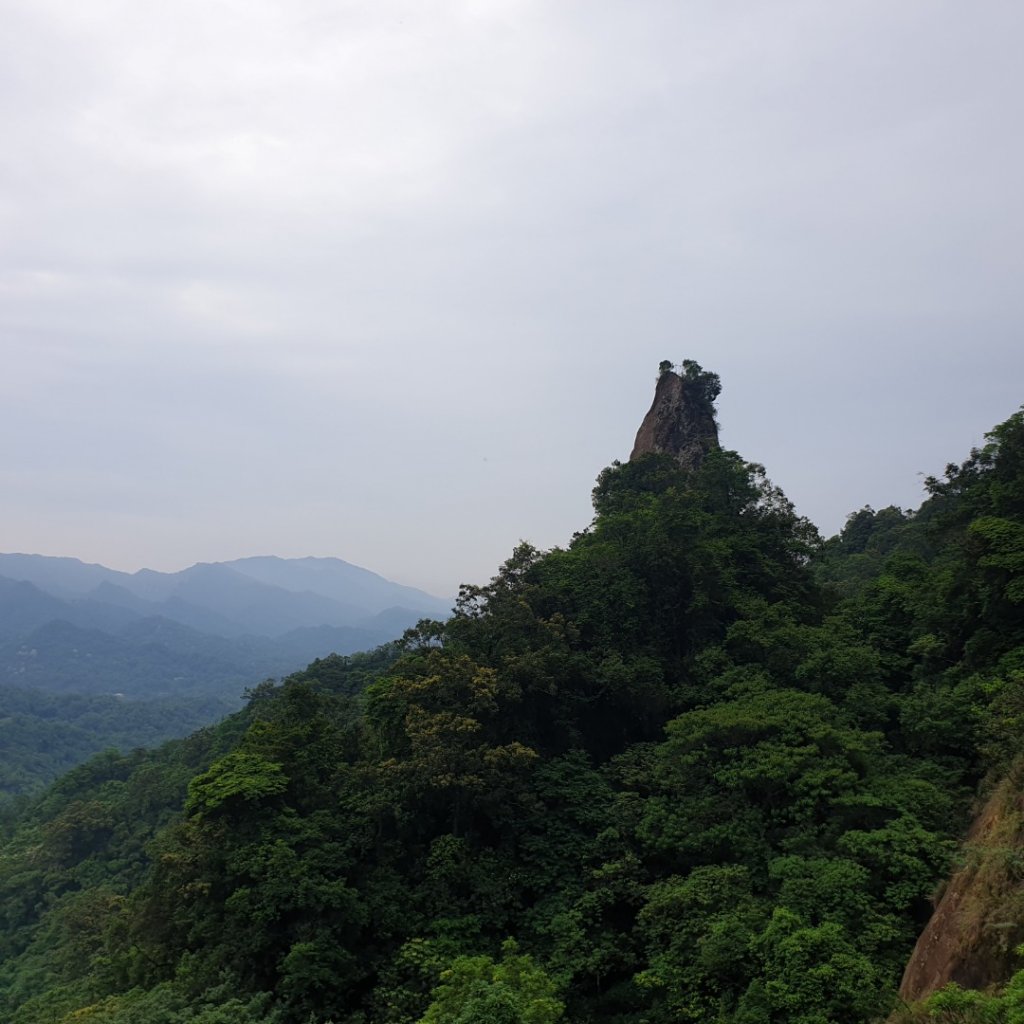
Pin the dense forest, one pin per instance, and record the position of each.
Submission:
(698, 765)
(43, 735)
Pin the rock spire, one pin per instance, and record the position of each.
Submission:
(681, 420)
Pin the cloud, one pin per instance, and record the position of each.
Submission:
(308, 265)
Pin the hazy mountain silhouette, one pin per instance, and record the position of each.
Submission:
(67, 625)
(265, 596)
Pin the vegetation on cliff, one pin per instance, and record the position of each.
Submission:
(696, 766)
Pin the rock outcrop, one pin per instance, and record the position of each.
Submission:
(681, 421)
(971, 936)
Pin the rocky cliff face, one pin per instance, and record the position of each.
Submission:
(971, 937)
(681, 421)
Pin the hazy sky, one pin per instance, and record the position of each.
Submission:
(391, 280)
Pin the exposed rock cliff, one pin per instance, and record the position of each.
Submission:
(977, 923)
(681, 420)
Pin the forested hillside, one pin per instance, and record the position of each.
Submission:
(42, 735)
(697, 766)
(92, 658)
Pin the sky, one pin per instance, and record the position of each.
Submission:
(391, 280)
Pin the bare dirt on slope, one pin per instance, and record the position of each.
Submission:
(979, 919)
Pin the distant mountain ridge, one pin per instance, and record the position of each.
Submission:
(263, 595)
(213, 628)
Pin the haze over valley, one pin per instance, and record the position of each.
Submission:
(188, 644)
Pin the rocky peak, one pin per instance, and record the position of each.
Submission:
(681, 420)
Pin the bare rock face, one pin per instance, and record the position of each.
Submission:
(976, 925)
(681, 421)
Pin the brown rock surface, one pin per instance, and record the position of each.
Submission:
(680, 422)
(977, 923)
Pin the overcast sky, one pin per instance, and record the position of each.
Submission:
(391, 280)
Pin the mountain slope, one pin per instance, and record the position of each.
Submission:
(664, 774)
(192, 641)
(44, 735)
(342, 581)
(691, 783)
(24, 608)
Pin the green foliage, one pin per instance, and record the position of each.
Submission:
(476, 990)
(955, 1005)
(815, 974)
(708, 385)
(236, 776)
(43, 735)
